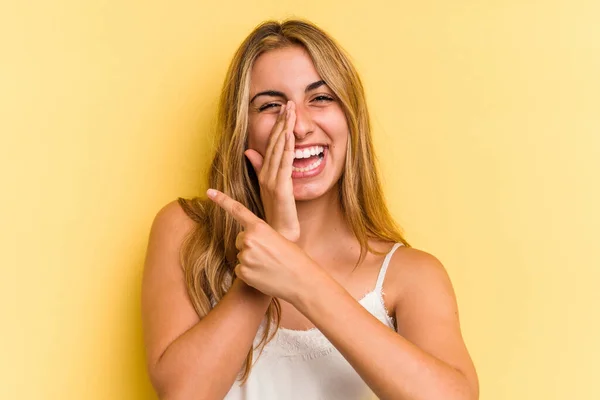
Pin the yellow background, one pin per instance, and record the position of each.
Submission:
(487, 126)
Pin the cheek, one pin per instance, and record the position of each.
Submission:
(336, 126)
(337, 129)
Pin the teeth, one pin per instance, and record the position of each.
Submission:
(308, 152)
(310, 167)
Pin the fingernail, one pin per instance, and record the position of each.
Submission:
(211, 193)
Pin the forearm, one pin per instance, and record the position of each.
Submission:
(204, 362)
(393, 367)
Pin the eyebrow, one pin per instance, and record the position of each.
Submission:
(275, 93)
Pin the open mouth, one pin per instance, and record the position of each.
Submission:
(308, 159)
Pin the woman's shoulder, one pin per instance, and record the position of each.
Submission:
(171, 225)
(176, 215)
(410, 261)
(411, 270)
(176, 220)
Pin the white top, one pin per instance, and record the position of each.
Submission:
(304, 365)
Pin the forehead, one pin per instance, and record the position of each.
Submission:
(289, 68)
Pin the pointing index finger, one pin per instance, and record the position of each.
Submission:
(234, 208)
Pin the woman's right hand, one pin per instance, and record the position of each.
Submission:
(274, 173)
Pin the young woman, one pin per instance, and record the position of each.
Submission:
(291, 280)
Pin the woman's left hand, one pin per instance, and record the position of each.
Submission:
(268, 261)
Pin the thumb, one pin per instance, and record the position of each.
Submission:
(255, 159)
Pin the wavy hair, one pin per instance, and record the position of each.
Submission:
(208, 255)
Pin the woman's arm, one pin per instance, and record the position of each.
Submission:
(188, 357)
(428, 360)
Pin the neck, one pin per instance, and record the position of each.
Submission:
(321, 222)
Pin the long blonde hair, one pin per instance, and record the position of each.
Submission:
(208, 255)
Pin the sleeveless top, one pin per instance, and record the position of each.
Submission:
(304, 365)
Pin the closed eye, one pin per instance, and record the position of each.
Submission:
(268, 105)
(318, 99)
(322, 98)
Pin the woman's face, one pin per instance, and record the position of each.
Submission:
(289, 74)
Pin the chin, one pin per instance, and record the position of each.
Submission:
(311, 191)
(303, 196)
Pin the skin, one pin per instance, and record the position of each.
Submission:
(315, 119)
(306, 264)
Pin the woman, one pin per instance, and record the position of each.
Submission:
(279, 294)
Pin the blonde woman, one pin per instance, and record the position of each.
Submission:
(290, 280)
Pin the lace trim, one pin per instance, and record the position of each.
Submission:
(311, 343)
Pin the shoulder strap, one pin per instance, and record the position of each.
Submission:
(385, 264)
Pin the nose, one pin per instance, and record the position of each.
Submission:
(304, 122)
